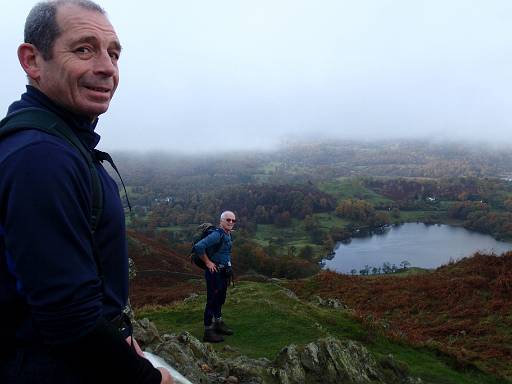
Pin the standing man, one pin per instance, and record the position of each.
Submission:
(63, 256)
(218, 274)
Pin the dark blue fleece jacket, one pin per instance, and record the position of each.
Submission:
(48, 275)
(54, 310)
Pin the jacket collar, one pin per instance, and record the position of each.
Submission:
(82, 125)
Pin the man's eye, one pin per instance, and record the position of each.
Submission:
(114, 55)
(83, 50)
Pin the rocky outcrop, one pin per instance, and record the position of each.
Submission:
(324, 361)
(331, 360)
(329, 303)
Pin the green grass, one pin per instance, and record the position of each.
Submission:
(431, 366)
(412, 271)
(266, 319)
(258, 312)
(330, 220)
(412, 216)
(293, 235)
(345, 188)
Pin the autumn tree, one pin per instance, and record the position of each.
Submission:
(355, 209)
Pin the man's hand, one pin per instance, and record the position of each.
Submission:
(211, 266)
(166, 376)
(131, 340)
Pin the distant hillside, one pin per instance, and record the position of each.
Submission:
(162, 274)
(312, 160)
(463, 308)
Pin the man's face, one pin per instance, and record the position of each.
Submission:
(228, 222)
(82, 74)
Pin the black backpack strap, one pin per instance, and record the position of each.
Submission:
(46, 121)
(104, 156)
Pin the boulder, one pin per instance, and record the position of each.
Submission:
(146, 334)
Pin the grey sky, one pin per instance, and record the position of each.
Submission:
(202, 75)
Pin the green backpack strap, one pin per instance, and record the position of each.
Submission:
(46, 121)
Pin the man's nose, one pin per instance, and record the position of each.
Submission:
(105, 64)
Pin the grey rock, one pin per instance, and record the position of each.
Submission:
(329, 302)
(325, 361)
(288, 366)
(192, 297)
(146, 334)
(249, 371)
(290, 294)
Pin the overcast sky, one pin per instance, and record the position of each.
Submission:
(203, 75)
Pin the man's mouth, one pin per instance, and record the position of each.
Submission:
(98, 89)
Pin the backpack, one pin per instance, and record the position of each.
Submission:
(202, 231)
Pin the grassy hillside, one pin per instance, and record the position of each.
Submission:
(345, 188)
(267, 317)
(463, 309)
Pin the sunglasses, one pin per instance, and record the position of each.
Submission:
(230, 220)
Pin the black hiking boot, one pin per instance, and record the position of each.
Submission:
(211, 336)
(221, 328)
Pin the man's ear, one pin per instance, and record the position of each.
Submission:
(30, 57)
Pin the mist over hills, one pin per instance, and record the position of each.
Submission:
(405, 158)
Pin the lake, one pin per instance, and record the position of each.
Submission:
(422, 245)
